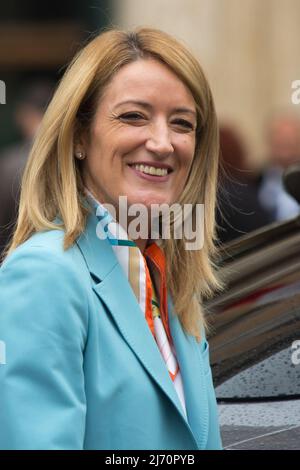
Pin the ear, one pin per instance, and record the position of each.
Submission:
(81, 139)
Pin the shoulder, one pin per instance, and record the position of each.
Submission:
(47, 285)
(44, 250)
(42, 265)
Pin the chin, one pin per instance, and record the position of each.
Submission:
(152, 202)
(148, 200)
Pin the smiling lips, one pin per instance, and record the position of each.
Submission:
(158, 170)
(151, 170)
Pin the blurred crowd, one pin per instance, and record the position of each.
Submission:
(248, 198)
(251, 197)
(28, 114)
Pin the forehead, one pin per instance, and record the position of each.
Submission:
(148, 79)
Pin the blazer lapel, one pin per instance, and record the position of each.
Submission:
(192, 372)
(110, 279)
(132, 325)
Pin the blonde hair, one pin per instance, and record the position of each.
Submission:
(52, 182)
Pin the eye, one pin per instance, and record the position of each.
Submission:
(183, 123)
(131, 116)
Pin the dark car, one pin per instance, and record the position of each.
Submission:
(255, 339)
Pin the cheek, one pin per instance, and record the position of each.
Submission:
(187, 153)
(130, 139)
(122, 144)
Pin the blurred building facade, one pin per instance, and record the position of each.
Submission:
(249, 50)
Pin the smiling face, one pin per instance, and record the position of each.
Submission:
(142, 140)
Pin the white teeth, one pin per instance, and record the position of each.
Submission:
(150, 170)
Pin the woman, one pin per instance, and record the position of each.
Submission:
(104, 336)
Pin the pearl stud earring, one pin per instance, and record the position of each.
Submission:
(80, 155)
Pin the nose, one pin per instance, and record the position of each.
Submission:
(159, 140)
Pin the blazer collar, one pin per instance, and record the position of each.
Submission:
(98, 254)
(110, 279)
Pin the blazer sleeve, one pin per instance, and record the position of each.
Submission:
(214, 441)
(43, 321)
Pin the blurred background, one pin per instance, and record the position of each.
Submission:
(248, 49)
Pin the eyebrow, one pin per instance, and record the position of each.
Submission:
(149, 106)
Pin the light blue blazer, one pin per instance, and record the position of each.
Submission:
(82, 370)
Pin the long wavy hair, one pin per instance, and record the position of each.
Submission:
(52, 183)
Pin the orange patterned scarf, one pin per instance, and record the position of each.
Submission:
(146, 274)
